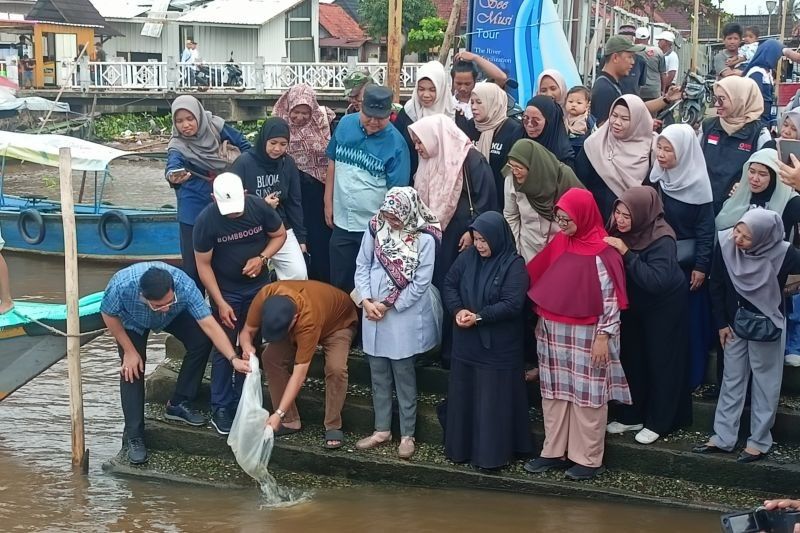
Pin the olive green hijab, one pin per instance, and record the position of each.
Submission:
(548, 178)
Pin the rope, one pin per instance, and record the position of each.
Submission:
(56, 331)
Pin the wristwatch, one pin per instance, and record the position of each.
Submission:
(264, 259)
(281, 413)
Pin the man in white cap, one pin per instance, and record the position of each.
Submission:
(666, 42)
(656, 66)
(234, 238)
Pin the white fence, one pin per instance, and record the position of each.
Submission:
(258, 76)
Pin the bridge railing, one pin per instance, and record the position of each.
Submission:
(257, 76)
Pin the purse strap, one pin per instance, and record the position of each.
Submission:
(467, 180)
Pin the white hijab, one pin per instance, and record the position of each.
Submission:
(434, 71)
(688, 181)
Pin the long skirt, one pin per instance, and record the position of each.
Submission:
(700, 333)
(318, 233)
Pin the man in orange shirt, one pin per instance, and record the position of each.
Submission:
(293, 318)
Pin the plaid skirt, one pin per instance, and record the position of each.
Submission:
(566, 371)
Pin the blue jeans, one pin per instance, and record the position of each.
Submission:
(793, 326)
(226, 384)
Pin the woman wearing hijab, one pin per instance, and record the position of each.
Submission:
(309, 135)
(552, 83)
(751, 264)
(200, 148)
(486, 423)
(730, 138)
(655, 328)
(432, 96)
(491, 130)
(394, 271)
(544, 123)
(267, 171)
(535, 182)
(578, 286)
(681, 178)
(618, 155)
(760, 70)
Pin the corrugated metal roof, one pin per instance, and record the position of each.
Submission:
(239, 12)
(117, 9)
(75, 12)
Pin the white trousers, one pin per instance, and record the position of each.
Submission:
(289, 263)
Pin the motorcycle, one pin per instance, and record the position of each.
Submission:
(233, 74)
(698, 94)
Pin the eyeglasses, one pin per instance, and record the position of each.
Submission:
(562, 221)
(161, 307)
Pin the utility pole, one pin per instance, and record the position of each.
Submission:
(449, 34)
(394, 47)
(695, 35)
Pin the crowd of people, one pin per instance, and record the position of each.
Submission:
(580, 246)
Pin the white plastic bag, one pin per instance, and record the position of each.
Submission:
(251, 439)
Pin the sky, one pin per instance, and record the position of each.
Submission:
(736, 7)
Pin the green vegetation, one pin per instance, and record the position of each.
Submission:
(113, 127)
(430, 34)
(375, 15)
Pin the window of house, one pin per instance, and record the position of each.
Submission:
(299, 35)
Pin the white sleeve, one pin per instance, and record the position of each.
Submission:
(672, 62)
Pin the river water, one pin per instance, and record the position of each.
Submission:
(39, 492)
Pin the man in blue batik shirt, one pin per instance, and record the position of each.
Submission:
(368, 156)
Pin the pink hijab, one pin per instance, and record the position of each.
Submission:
(439, 178)
(307, 144)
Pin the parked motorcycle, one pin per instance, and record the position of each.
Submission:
(698, 94)
(233, 74)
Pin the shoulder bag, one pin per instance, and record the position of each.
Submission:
(754, 326)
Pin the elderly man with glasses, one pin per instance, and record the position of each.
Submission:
(157, 297)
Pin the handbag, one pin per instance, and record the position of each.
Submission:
(754, 326)
(686, 253)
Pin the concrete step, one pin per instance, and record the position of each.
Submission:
(669, 458)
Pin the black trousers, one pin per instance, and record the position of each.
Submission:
(189, 265)
(318, 234)
(186, 329)
(344, 251)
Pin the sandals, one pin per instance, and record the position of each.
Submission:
(334, 439)
(376, 439)
(283, 431)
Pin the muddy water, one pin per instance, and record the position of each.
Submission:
(39, 493)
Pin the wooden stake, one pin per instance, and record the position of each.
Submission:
(452, 27)
(695, 35)
(394, 47)
(79, 452)
(61, 91)
(779, 67)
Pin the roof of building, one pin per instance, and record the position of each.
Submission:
(71, 12)
(445, 7)
(351, 6)
(238, 12)
(118, 9)
(708, 28)
(339, 24)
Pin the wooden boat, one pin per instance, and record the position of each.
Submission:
(32, 224)
(27, 348)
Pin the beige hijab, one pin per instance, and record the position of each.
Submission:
(623, 163)
(747, 103)
(557, 77)
(494, 100)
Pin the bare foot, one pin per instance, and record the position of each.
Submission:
(7, 306)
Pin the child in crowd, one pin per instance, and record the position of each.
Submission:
(580, 124)
(748, 49)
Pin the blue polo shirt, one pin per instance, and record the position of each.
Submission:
(366, 167)
(123, 299)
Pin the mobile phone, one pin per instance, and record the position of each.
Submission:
(786, 147)
(777, 521)
(177, 171)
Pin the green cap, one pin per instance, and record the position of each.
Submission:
(355, 80)
(617, 44)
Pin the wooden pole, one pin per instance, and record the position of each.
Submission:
(394, 47)
(449, 34)
(695, 35)
(61, 91)
(80, 457)
(779, 67)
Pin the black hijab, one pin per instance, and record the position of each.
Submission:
(272, 128)
(483, 278)
(554, 136)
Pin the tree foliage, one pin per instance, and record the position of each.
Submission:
(430, 34)
(375, 15)
(649, 7)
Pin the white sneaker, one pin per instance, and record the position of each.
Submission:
(645, 436)
(616, 428)
(791, 359)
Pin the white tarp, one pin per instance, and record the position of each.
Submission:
(9, 102)
(44, 149)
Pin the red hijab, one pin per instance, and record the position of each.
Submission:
(564, 282)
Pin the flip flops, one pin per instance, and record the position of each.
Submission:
(333, 435)
(283, 431)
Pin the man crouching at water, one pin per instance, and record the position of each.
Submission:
(158, 297)
(294, 317)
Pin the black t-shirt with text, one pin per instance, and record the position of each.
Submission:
(235, 241)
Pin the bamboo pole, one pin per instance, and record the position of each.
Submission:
(61, 91)
(695, 35)
(394, 47)
(449, 34)
(80, 455)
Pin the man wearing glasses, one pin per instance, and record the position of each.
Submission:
(157, 297)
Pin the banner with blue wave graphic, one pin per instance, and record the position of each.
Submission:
(522, 37)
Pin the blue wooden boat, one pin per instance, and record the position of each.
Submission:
(27, 348)
(32, 224)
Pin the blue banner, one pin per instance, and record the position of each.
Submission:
(522, 37)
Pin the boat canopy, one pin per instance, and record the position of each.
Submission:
(43, 149)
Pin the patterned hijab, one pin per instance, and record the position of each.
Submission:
(494, 101)
(439, 178)
(201, 150)
(308, 142)
(398, 250)
(433, 71)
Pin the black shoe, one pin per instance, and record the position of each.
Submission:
(707, 449)
(543, 464)
(747, 457)
(184, 412)
(137, 451)
(583, 473)
(222, 421)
